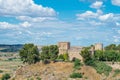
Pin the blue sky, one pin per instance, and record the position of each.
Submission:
(45, 22)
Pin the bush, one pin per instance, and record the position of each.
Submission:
(46, 61)
(66, 57)
(76, 75)
(63, 57)
(38, 78)
(77, 64)
(116, 72)
(90, 62)
(1, 71)
(5, 77)
(102, 68)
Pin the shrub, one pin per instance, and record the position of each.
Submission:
(61, 57)
(117, 71)
(76, 75)
(102, 68)
(66, 57)
(5, 77)
(38, 78)
(77, 64)
(46, 61)
(1, 71)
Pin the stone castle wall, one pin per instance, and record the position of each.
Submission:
(74, 52)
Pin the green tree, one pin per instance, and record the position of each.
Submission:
(98, 55)
(111, 55)
(111, 47)
(87, 57)
(29, 54)
(49, 52)
(53, 52)
(45, 53)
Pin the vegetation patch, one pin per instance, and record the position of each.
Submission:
(77, 64)
(5, 76)
(116, 72)
(38, 78)
(76, 75)
(63, 57)
(102, 68)
(1, 71)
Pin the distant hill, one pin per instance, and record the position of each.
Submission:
(10, 48)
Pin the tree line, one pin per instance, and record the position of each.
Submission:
(30, 54)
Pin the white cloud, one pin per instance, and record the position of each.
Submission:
(99, 16)
(24, 8)
(116, 2)
(97, 5)
(5, 25)
(25, 24)
(36, 19)
(88, 15)
(105, 17)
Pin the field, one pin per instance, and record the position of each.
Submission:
(9, 64)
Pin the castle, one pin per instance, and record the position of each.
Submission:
(74, 51)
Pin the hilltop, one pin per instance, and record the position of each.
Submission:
(58, 71)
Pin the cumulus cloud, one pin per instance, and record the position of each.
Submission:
(116, 2)
(99, 16)
(89, 15)
(24, 8)
(97, 5)
(105, 17)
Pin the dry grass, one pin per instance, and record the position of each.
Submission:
(9, 66)
(59, 70)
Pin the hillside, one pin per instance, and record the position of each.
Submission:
(10, 48)
(58, 71)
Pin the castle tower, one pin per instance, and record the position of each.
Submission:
(98, 46)
(63, 47)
